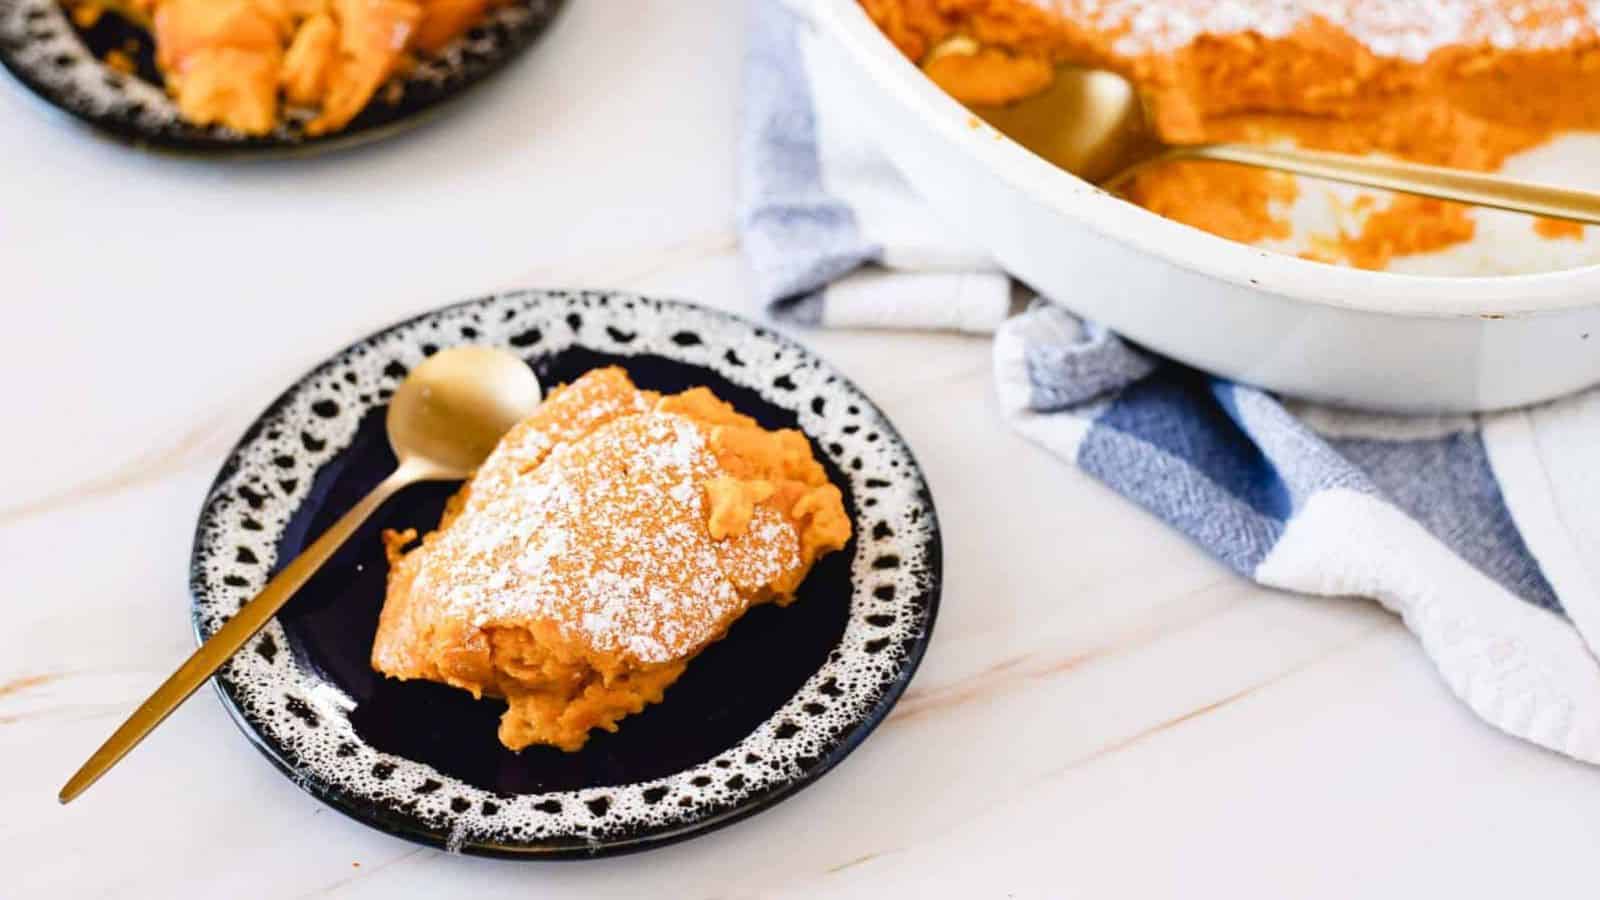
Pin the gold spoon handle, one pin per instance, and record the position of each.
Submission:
(1413, 178)
(231, 636)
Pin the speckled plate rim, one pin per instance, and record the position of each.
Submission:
(378, 816)
(52, 100)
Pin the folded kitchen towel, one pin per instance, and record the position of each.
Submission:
(833, 235)
(1482, 532)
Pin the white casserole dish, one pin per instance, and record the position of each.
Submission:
(1346, 336)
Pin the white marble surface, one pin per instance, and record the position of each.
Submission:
(1104, 711)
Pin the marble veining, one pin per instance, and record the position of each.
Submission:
(1124, 719)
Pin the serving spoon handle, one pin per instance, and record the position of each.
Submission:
(1439, 182)
(244, 624)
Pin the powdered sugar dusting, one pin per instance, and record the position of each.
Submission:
(768, 548)
(605, 537)
(1404, 29)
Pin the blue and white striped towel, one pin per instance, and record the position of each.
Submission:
(1482, 532)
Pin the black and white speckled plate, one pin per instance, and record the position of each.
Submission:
(61, 64)
(757, 716)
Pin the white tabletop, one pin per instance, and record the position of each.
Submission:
(1104, 710)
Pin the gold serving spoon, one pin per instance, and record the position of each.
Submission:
(443, 421)
(1092, 123)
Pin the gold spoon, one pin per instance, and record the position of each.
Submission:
(1092, 123)
(443, 421)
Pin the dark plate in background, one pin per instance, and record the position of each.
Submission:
(61, 64)
(786, 695)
